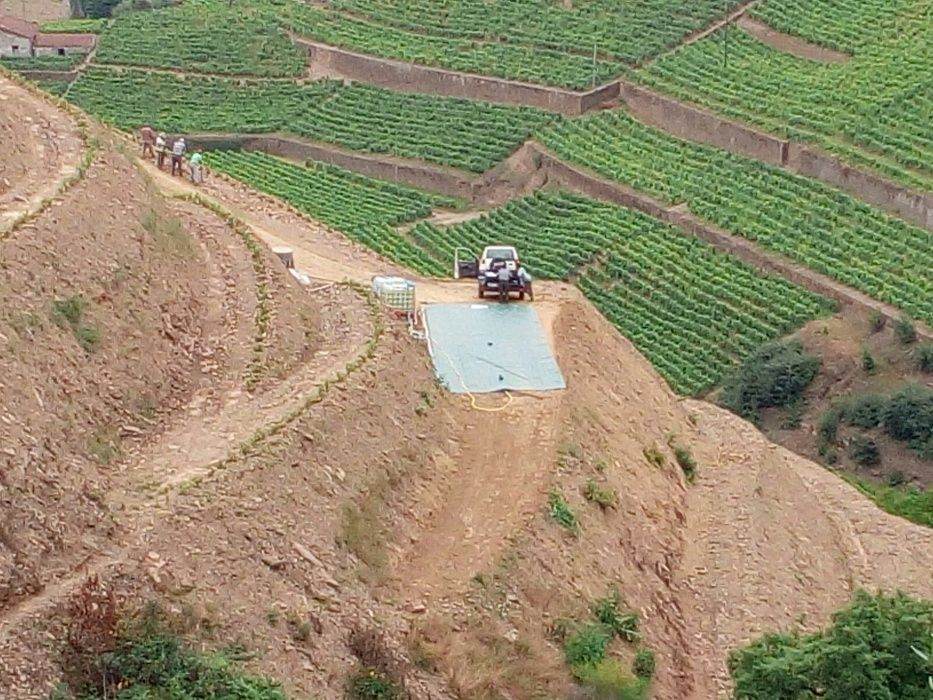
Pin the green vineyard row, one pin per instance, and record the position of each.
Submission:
(470, 135)
(799, 218)
(873, 110)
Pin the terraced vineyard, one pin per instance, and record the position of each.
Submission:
(208, 36)
(469, 135)
(514, 62)
(844, 25)
(873, 110)
(691, 310)
(62, 63)
(364, 209)
(534, 40)
(802, 219)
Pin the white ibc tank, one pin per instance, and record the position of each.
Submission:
(395, 292)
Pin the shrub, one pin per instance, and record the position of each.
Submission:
(370, 684)
(904, 331)
(687, 463)
(923, 357)
(607, 680)
(828, 427)
(654, 456)
(560, 512)
(774, 375)
(88, 338)
(896, 478)
(587, 647)
(864, 451)
(876, 321)
(865, 653)
(908, 415)
(602, 497)
(622, 624)
(864, 411)
(68, 312)
(868, 361)
(794, 415)
(644, 664)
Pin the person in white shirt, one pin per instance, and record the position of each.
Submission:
(178, 151)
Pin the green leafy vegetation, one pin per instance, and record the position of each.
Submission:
(923, 357)
(54, 87)
(644, 663)
(905, 331)
(873, 110)
(864, 654)
(43, 63)
(370, 684)
(208, 36)
(776, 374)
(112, 654)
(864, 451)
(782, 212)
(601, 496)
(459, 133)
(588, 646)
(621, 623)
(364, 209)
(654, 456)
(69, 313)
(71, 26)
(560, 512)
(608, 680)
(693, 321)
(686, 462)
(531, 40)
(909, 502)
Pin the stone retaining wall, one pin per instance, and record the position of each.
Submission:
(412, 77)
(421, 175)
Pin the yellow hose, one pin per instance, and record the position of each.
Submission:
(484, 409)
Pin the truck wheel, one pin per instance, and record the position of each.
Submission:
(521, 296)
(481, 295)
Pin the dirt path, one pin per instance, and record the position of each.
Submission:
(42, 147)
(777, 542)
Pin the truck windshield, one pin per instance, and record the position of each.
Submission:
(500, 253)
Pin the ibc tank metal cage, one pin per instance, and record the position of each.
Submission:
(397, 293)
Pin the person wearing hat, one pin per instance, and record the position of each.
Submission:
(160, 149)
(178, 152)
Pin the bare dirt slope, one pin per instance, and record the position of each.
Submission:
(777, 542)
(36, 10)
(41, 147)
(386, 505)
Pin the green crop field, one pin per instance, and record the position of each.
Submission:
(71, 26)
(207, 36)
(468, 135)
(534, 40)
(691, 310)
(802, 219)
(844, 25)
(54, 87)
(364, 209)
(63, 63)
(874, 110)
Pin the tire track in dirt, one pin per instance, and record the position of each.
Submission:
(43, 148)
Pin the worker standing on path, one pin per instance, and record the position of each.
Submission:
(148, 137)
(195, 164)
(525, 278)
(178, 150)
(160, 146)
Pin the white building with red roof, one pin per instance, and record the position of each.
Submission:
(23, 39)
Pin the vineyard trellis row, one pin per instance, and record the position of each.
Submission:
(802, 219)
(472, 136)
